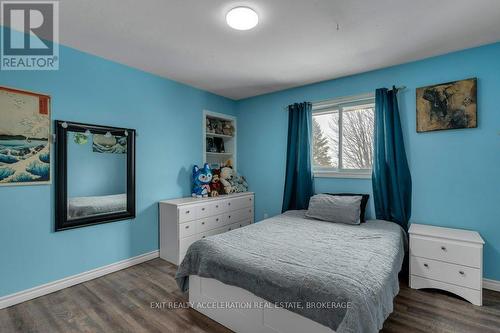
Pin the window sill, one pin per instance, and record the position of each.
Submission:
(334, 174)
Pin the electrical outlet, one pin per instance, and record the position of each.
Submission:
(266, 215)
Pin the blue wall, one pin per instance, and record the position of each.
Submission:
(167, 115)
(91, 173)
(456, 173)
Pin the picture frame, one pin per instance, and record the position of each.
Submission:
(25, 137)
(445, 106)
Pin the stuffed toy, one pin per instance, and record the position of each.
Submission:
(227, 128)
(216, 126)
(210, 128)
(201, 181)
(239, 184)
(215, 185)
(226, 176)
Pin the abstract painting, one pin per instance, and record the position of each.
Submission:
(104, 143)
(24, 137)
(445, 106)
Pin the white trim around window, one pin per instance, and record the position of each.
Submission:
(338, 105)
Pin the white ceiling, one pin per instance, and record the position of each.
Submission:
(295, 43)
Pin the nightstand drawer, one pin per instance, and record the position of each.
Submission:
(446, 250)
(446, 272)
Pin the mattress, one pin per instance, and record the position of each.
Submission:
(342, 276)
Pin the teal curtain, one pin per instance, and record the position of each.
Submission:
(298, 178)
(391, 177)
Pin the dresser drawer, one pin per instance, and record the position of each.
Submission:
(205, 210)
(188, 229)
(445, 272)
(217, 207)
(239, 203)
(207, 223)
(213, 232)
(188, 213)
(243, 223)
(446, 250)
(216, 221)
(232, 226)
(184, 245)
(239, 215)
(238, 225)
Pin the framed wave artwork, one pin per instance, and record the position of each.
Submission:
(24, 137)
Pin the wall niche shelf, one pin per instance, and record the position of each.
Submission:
(219, 146)
(213, 135)
(219, 154)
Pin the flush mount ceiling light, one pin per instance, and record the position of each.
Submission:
(242, 18)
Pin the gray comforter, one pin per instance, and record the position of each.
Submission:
(352, 270)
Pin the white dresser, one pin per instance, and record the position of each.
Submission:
(186, 220)
(447, 259)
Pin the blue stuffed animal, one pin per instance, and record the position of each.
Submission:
(201, 181)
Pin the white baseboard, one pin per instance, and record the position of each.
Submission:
(491, 284)
(69, 281)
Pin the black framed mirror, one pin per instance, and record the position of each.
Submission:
(95, 174)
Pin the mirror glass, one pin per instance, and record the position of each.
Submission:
(96, 174)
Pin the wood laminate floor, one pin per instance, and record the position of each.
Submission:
(122, 302)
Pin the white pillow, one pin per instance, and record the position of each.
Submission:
(338, 209)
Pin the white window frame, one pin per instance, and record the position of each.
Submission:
(330, 106)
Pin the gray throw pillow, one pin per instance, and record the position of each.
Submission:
(338, 209)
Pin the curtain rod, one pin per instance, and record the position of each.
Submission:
(360, 97)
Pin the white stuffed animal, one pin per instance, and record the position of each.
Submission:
(226, 176)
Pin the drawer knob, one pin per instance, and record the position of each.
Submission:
(216, 206)
(443, 248)
(461, 272)
(217, 220)
(229, 204)
(203, 236)
(203, 208)
(187, 211)
(187, 227)
(203, 223)
(426, 265)
(229, 217)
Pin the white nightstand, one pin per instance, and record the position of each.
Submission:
(447, 259)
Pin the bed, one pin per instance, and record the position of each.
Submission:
(290, 273)
(95, 205)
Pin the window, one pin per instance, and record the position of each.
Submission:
(342, 139)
